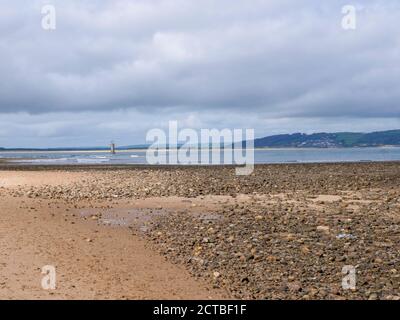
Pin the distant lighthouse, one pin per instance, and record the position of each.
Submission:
(112, 147)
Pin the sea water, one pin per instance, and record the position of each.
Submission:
(295, 155)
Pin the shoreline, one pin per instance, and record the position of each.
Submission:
(261, 156)
(6, 164)
(205, 149)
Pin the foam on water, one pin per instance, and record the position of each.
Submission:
(41, 160)
(91, 160)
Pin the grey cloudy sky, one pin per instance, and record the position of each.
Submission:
(114, 69)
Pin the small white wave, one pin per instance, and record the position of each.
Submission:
(41, 160)
(88, 160)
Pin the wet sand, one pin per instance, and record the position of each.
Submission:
(284, 232)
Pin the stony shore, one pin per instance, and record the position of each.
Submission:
(284, 232)
(139, 182)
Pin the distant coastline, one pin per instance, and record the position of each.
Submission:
(68, 151)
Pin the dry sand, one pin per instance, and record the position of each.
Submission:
(92, 261)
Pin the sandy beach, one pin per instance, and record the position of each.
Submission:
(125, 232)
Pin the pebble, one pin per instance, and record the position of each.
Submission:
(323, 229)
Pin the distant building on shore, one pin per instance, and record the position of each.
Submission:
(112, 147)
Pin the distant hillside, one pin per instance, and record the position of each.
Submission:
(331, 140)
(296, 140)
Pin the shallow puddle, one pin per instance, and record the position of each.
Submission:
(139, 219)
(125, 217)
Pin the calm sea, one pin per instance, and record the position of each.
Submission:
(260, 156)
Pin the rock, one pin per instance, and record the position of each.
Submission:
(294, 286)
(324, 229)
(245, 280)
(289, 237)
(373, 296)
(378, 260)
(305, 250)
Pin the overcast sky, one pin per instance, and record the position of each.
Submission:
(115, 69)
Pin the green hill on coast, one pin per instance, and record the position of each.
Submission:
(331, 140)
(295, 140)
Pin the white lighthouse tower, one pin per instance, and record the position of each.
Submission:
(112, 147)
